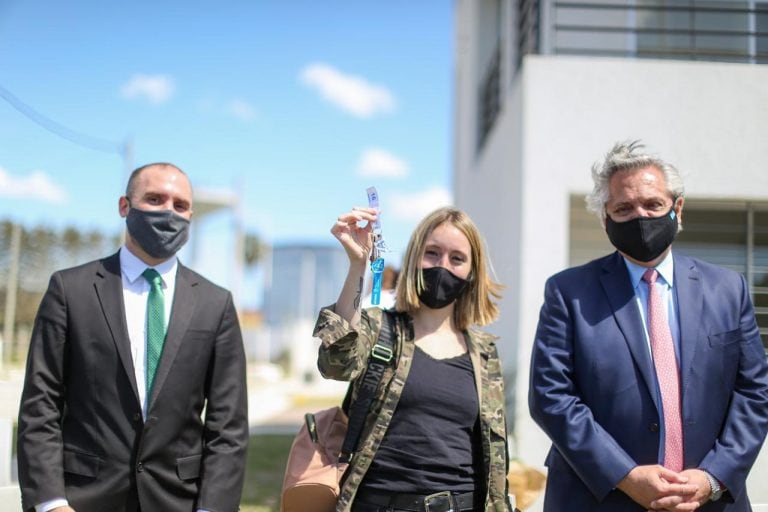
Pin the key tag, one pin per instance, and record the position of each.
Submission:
(378, 249)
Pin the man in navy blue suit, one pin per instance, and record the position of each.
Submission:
(648, 372)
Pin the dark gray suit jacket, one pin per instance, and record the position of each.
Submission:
(81, 433)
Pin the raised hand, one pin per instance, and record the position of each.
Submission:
(356, 240)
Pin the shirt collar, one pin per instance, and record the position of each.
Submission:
(132, 267)
(665, 269)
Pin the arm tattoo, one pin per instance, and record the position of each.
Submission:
(356, 302)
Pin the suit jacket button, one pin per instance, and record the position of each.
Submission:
(653, 427)
(139, 467)
(137, 417)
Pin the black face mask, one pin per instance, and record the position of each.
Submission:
(161, 233)
(643, 238)
(441, 287)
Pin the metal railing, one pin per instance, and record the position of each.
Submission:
(716, 31)
(685, 30)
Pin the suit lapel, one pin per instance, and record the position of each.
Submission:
(184, 301)
(690, 303)
(621, 296)
(109, 289)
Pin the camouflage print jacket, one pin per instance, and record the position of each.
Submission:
(344, 356)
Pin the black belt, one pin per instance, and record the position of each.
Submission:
(438, 502)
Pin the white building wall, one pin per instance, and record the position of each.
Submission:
(560, 114)
(490, 189)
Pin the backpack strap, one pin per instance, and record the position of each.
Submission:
(381, 357)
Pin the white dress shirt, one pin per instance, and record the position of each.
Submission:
(135, 295)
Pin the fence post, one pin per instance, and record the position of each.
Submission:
(6, 451)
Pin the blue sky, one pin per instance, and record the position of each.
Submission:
(298, 106)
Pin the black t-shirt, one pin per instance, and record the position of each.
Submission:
(433, 441)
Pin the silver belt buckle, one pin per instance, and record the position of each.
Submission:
(439, 502)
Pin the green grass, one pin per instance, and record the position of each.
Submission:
(264, 472)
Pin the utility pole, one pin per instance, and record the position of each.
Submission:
(10, 290)
(128, 156)
(127, 170)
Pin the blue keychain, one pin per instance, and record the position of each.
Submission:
(378, 249)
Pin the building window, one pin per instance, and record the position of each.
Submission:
(696, 30)
(761, 29)
(490, 98)
(712, 30)
(527, 20)
(730, 234)
(733, 235)
(489, 47)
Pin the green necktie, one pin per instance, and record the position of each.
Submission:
(155, 324)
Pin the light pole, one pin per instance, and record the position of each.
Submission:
(10, 289)
(206, 202)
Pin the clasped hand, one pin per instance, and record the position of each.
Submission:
(660, 489)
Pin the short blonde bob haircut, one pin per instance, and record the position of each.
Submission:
(476, 304)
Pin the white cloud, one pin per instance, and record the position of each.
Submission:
(413, 207)
(352, 93)
(36, 185)
(236, 107)
(154, 88)
(242, 110)
(378, 163)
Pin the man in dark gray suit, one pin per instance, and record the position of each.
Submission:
(135, 395)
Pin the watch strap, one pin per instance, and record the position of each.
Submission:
(716, 490)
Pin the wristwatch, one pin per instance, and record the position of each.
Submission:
(716, 491)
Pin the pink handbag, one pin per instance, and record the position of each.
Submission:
(313, 471)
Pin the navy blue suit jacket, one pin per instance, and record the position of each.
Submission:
(593, 386)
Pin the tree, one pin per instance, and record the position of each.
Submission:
(43, 250)
(253, 249)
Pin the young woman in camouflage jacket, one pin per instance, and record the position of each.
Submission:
(435, 439)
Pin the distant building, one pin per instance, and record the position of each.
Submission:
(302, 278)
(545, 87)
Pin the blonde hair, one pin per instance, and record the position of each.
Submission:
(476, 304)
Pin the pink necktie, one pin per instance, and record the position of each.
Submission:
(663, 350)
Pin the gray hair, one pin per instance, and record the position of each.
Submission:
(625, 156)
